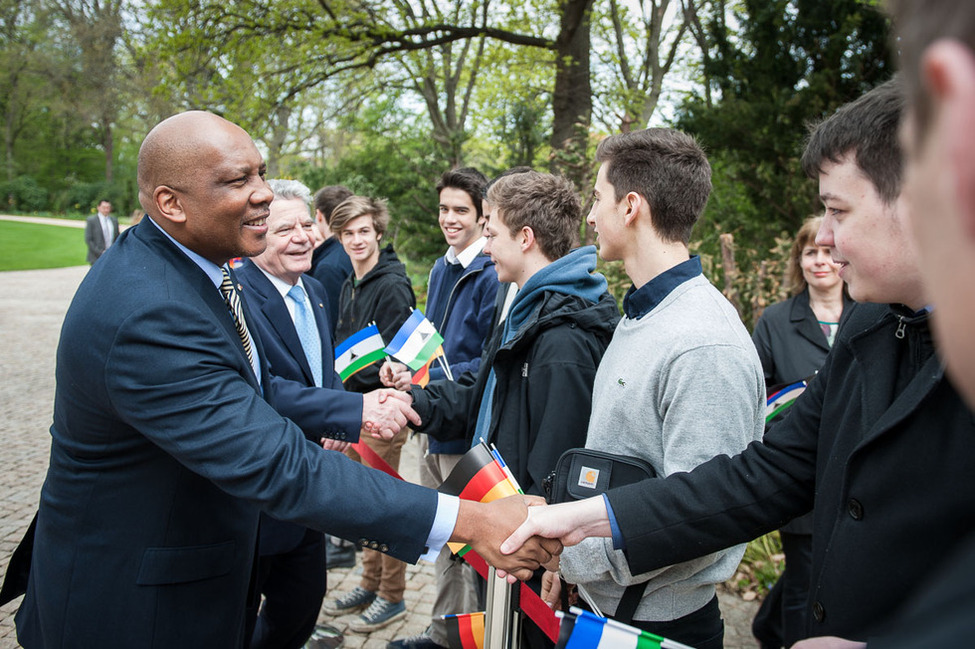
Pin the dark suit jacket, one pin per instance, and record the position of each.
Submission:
(163, 453)
(330, 265)
(95, 237)
(790, 342)
(331, 412)
(792, 347)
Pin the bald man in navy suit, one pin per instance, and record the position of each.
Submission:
(165, 448)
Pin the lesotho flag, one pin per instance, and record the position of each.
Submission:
(781, 400)
(416, 342)
(361, 349)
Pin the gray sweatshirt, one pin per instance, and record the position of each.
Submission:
(676, 387)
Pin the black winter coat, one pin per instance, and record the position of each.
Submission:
(384, 296)
(792, 347)
(543, 394)
(883, 444)
(790, 342)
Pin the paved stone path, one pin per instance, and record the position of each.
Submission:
(32, 307)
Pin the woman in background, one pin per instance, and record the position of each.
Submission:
(793, 338)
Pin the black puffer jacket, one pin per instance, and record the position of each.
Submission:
(544, 387)
(384, 296)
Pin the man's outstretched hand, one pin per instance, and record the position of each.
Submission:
(485, 526)
(569, 523)
(386, 412)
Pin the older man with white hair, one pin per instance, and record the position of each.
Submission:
(293, 325)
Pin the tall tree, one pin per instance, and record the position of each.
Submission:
(644, 39)
(791, 62)
(22, 30)
(96, 29)
(362, 33)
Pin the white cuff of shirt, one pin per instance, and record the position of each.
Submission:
(443, 525)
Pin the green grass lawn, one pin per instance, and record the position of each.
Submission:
(26, 246)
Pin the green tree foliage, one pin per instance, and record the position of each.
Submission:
(770, 69)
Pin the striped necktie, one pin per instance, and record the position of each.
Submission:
(233, 302)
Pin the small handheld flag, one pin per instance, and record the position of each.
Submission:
(416, 342)
(779, 401)
(465, 631)
(588, 631)
(480, 477)
(422, 376)
(359, 350)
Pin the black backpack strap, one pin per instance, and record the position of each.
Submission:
(631, 599)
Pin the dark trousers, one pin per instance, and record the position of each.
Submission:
(293, 585)
(702, 629)
(781, 620)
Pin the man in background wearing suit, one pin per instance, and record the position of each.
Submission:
(292, 322)
(100, 231)
(164, 450)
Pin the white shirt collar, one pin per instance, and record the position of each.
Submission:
(467, 255)
(282, 286)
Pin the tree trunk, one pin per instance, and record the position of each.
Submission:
(108, 141)
(572, 97)
(275, 145)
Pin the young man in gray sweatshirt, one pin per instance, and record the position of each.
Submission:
(680, 382)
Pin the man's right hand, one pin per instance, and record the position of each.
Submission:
(387, 412)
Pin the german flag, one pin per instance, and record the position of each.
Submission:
(479, 477)
(465, 631)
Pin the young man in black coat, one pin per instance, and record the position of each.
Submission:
(880, 444)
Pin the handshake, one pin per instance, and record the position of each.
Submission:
(519, 534)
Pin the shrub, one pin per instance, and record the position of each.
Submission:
(23, 195)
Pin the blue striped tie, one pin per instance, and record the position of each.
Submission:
(307, 332)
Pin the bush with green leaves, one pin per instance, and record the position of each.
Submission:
(23, 194)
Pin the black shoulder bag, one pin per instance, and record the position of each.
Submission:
(582, 473)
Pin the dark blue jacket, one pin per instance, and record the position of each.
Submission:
(466, 325)
(163, 452)
(331, 412)
(330, 265)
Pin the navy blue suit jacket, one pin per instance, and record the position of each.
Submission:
(331, 412)
(330, 265)
(163, 453)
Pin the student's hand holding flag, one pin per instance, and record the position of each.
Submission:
(484, 526)
(552, 590)
(396, 375)
(386, 412)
